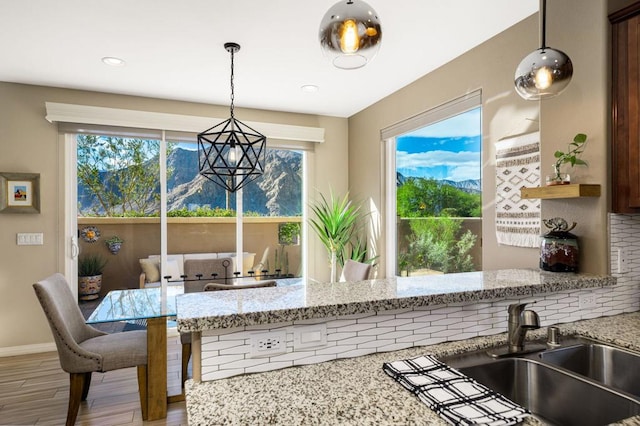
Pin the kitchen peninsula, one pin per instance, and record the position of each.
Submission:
(318, 322)
(356, 391)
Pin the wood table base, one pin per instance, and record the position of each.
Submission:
(156, 368)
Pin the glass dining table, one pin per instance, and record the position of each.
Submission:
(155, 306)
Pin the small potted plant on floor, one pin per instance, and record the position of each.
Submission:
(572, 157)
(90, 268)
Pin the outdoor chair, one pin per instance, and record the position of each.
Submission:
(185, 338)
(83, 349)
(355, 271)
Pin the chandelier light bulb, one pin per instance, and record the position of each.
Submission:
(543, 78)
(233, 156)
(349, 40)
(350, 34)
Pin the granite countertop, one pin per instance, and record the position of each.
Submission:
(225, 309)
(356, 391)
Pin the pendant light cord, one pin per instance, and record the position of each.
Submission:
(232, 87)
(543, 25)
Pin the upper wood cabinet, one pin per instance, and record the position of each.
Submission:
(625, 150)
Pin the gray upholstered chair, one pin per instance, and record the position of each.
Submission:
(355, 271)
(185, 338)
(83, 349)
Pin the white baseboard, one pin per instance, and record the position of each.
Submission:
(27, 349)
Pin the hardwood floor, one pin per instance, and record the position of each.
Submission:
(34, 391)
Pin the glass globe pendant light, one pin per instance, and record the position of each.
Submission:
(350, 34)
(546, 72)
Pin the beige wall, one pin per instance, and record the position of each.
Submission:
(490, 67)
(28, 143)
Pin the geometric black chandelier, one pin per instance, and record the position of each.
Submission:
(545, 72)
(231, 154)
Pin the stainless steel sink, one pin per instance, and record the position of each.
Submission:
(555, 395)
(612, 366)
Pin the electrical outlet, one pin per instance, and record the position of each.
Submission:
(623, 260)
(587, 301)
(268, 343)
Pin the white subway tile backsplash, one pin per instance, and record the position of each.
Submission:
(397, 334)
(412, 326)
(332, 337)
(446, 310)
(235, 350)
(395, 347)
(291, 356)
(378, 343)
(335, 349)
(221, 360)
(414, 314)
(358, 340)
(314, 359)
(355, 353)
(338, 323)
(221, 374)
(374, 319)
(395, 322)
(376, 331)
(357, 327)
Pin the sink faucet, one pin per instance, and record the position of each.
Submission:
(520, 321)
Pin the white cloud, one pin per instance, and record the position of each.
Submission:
(456, 166)
(437, 158)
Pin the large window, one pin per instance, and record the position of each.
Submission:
(436, 198)
(119, 193)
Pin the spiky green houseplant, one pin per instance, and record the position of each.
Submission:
(90, 269)
(334, 223)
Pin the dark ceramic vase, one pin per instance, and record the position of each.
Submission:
(559, 252)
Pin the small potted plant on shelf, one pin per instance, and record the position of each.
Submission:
(572, 157)
(115, 244)
(90, 268)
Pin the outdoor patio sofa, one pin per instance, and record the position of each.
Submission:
(151, 274)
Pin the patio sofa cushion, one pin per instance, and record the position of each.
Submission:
(151, 269)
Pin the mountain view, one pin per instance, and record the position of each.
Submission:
(278, 192)
(471, 186)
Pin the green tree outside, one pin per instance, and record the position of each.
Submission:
(436, 241)
(121, 175)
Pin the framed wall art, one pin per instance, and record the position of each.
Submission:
(19, 192)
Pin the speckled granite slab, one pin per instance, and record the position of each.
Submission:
(212, 310)
(356, 391)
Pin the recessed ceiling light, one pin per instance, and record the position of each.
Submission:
(113, 61)
(310, 88)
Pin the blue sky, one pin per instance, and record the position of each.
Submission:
(449, 149)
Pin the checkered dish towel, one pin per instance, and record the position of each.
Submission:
(458, 399)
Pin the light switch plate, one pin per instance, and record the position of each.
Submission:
(310, 336)
(30, 238)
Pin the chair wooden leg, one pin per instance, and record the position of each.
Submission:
(86, 385)
(186, 355)
(76, 388)
(142, 390)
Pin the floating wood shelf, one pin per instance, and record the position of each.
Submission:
(575, 190)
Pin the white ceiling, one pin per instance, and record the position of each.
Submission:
(174, 49)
